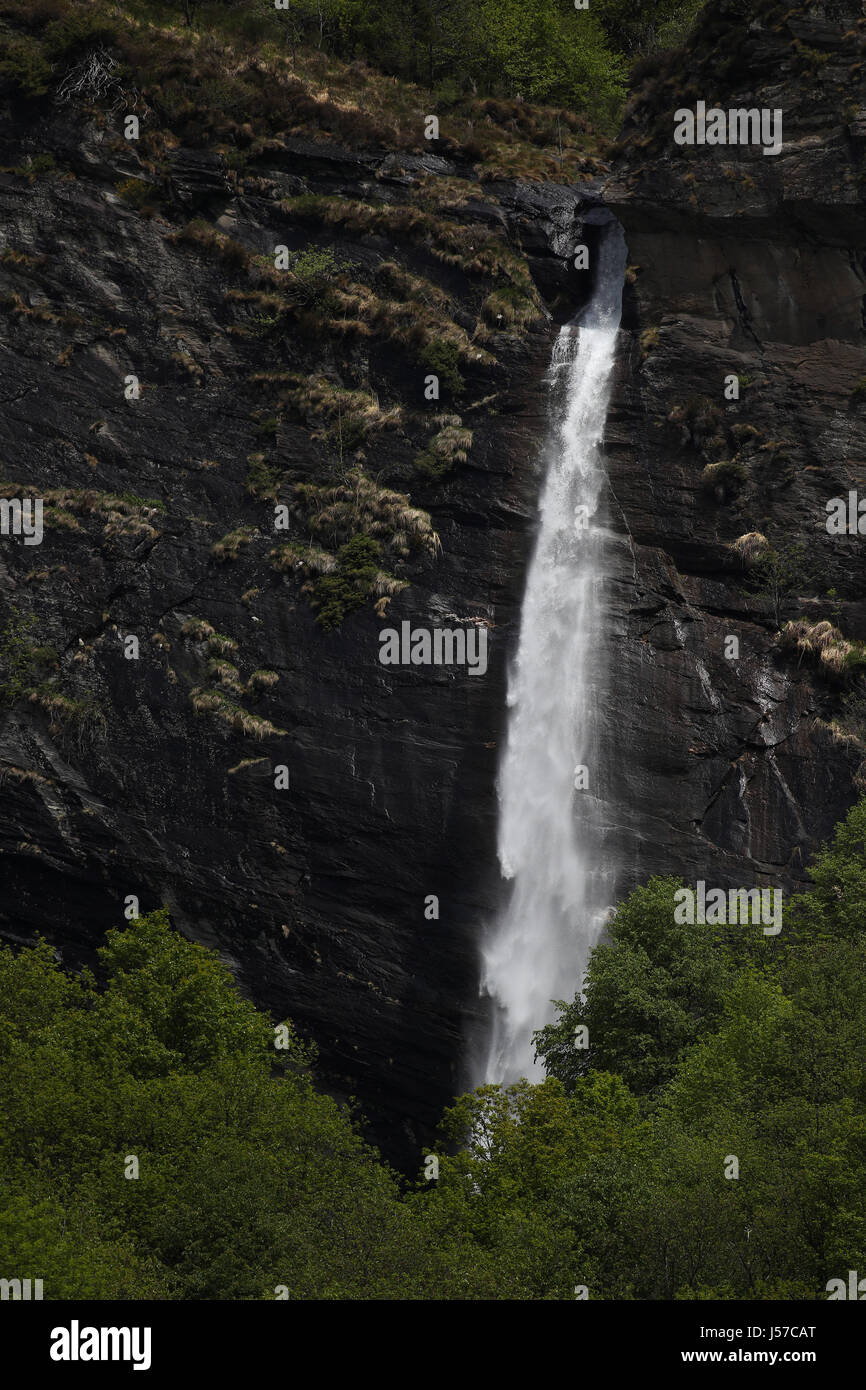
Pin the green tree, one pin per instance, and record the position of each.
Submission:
(247, 1177)
(649, 994)
(780, 573)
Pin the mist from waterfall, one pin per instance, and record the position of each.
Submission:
(549, 840)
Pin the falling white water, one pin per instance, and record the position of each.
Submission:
(548, 838)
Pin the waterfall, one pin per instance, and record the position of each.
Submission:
(549, 837)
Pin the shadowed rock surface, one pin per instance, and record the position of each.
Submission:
(315, 895)
(117, 779)
(746, 264)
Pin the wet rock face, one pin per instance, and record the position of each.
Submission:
(315, 895)
(753, 265)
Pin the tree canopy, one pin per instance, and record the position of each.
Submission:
(709, 1142)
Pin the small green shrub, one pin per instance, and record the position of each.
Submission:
(727, 475)
(335, 595)
(443, 359)
(228, 548)
(451, 445)
(263, 478)
(649, 339)
(136, 193)
(25, 66)
(16, 657)
(314, 265)
(42, 164)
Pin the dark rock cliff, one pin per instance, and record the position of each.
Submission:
(750, 264)
(155, 777)
(131, 776)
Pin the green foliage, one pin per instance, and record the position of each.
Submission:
(194, 1014)
(267, 428)
(442, 358)
(79, 30)
(312, 271)
(448, 446)
(16, 656)
(43, 1239)
(707, 1045)
(639, 27)
(541, 50)
(649, 995)
(42, 164)
(136, 192)
(25, 66)
(835, 906)
(340, 593)
(495, 1213)
(263, 478)
(781, 572)
(743, 1047)
(248, 1178)
(428, 466)
(133, 499)
(34, 61)
(23, 662)
(517, 51)
(724, 477)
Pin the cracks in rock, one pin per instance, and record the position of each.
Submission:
(175, 604)
(734, 769)
(661, 618)
(736, 615)
(788, 794)
(142, 555)
(767, 753)
(745, 316)
(94, 632)
(627, 530)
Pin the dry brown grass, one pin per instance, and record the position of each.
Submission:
(449, 445)
(474, 250)
(331, 411)
(750, 548)
(239, 720)
(825, 646)
(511, 308)
(228, 548)
(206, 239)
(359, 505)
(262, 680)
(120, 516)
(197, 629)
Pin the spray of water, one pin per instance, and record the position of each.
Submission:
(549, 843)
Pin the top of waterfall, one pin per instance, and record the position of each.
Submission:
(608, 274)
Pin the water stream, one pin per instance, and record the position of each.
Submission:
(549, 841)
